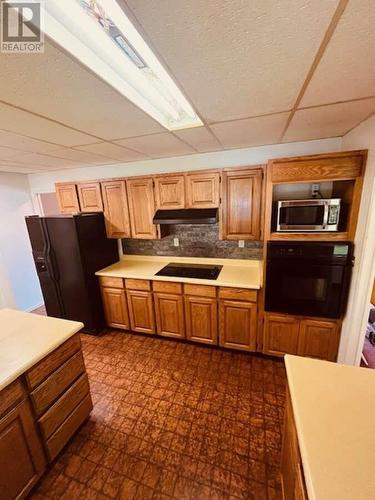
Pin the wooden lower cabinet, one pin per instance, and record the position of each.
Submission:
(201, 319)
(292, 479)
(319, 339)
(280, 335)
(141, 311)
(238, 325)
(116, 307)
(22, 460)
(169, 310)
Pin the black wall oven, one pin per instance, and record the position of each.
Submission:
(308, 278)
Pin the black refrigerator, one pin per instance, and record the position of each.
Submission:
(67, 251)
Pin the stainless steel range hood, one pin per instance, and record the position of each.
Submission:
(187, 216)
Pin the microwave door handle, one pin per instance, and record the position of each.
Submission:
(326, 214)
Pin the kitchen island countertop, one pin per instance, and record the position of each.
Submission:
(27, 338)
(235, 272)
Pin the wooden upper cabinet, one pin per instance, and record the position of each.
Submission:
(280, 335)
(116, 209)
(241, 204)
(201, 319)
(373, 295)
(90, 197)
(238, 325)
(142, 208)
(319, 339)
(67, 198)
(169, 310)
(22, 460)
(170, 192)
(203, 190)
(141, 311)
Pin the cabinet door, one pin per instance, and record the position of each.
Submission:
(67, 198)
(241, 205)
(203, 190)
(290, 456)
(280, 334)
(141, 311)
(22, 460)
(142, 208)
(170, 192)
(319, 339)
(90, 197)
(238, 325)
(169, 310)
(116, 307)
(116, 209)
(201, 319)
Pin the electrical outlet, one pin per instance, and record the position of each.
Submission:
(241, 243)
(176, 242)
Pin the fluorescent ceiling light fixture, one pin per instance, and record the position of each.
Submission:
(100, 35)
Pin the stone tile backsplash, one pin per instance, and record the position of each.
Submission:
(196, 240)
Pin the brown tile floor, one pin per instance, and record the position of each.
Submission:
(176, 420)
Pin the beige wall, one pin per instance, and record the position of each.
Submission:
(362, 137)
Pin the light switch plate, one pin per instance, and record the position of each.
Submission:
(241, 243)
(176, 242)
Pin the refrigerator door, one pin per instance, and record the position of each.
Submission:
(45, 267)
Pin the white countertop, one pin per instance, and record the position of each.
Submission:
(27, 338)
(334, 411)
(235, 272)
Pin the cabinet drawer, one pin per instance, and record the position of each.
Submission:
(238, 294)
(165, 287)
(66, 430)
(110, 282)
(56, 415)
(44, 395)
(10, 396)
(137, 284)
(49, 364)
(200, 290)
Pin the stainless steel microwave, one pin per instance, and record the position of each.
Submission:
(313, 215)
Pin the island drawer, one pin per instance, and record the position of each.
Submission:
(238, 294)
(10, 396)
(167, 287)
(200, 290)
(70, 425)
(64, 406)
(131, 284)
(110, 282)
(44, 395)
(49, 364)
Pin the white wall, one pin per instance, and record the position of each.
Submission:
(44, 182)
(19, 284)
(362, 137)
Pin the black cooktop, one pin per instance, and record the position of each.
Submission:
(198, 271)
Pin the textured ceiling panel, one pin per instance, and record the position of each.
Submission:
(7, 153)
(328, 121)
(250, 132)
(81, 156)
(23, 143)
(236, 58)
(158, 145)
(200, 138)
(57, 86)
(347, 69)
(113, 151)
(46, 160)
(18, 121)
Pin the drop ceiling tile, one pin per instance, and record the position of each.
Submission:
(158, 145)
(81, 156)
(200, 138)
(328, 121)
(46, 160)
(21, 122)
(59, 87)
(237, 58)
(113, 151)
(7, 153)
(347, 69)
(22, 143)
(250, 132)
